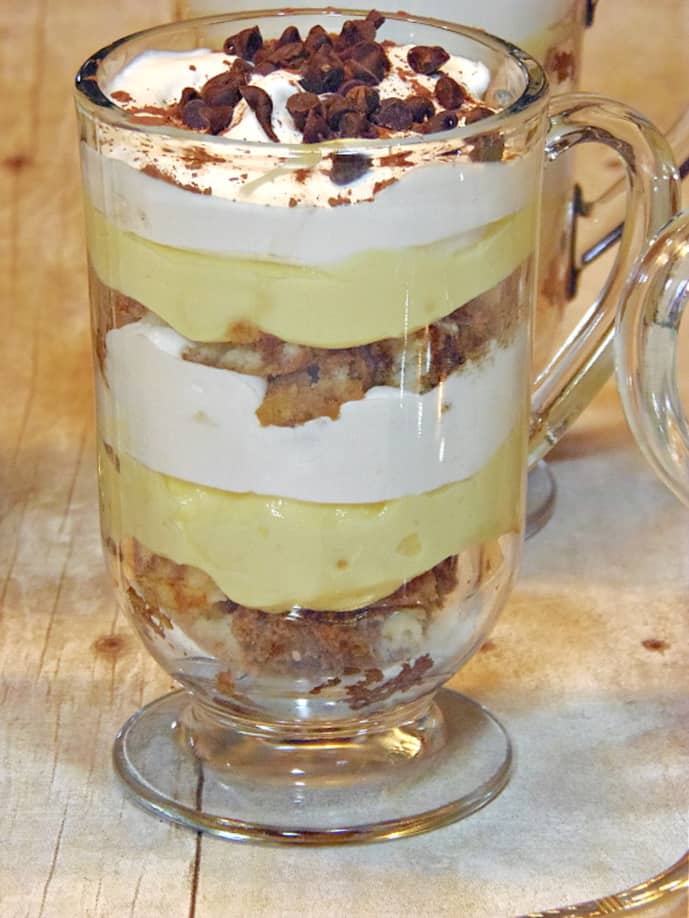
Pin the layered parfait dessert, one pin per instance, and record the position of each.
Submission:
(311, 311)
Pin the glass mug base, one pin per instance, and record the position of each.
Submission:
(421, 767)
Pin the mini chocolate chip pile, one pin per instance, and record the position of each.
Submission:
(338, 92)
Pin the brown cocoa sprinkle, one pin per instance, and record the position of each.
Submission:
(561, 64)
(197, 115)
(120, 95)
(347, 167)
(300, 104)
(244, 44)
(443, 121)
(394, 114)
(330, 683)
(324, 72)
(449, 93)
(222, 89)
(261, 105)
(316, 129)
(339, 201)
(372, 56)
(427, 59)
(421, 108)
(381, 186)
(488, 148)
(366, 99)
(317, 38)
(289, 36)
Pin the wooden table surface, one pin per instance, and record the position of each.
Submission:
(597, 622)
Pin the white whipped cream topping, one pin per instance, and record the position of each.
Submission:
(198, 423)
(157, 78)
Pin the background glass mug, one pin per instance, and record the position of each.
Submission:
(313, 424)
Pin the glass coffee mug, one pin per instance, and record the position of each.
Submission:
(646, 355)
(312, 367)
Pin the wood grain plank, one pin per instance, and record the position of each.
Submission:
(71, 670)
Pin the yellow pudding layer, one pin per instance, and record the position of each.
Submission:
(367, 297)
(274, 553)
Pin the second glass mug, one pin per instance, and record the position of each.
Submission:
(313, 577)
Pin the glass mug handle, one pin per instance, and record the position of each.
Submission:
(646, 355)
(585, 362)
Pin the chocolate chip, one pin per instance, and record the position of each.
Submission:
(336, 108)
(427, 59)
(220, 118)
(291, 55)
(241, 70)
(354, 31)
(317, 38)
(188, 93)
(449, 93)
(324, 72)
(394, 114)
(289, 36)
(443, 121)
(222, 89)
(356, 124)
(265, 67)
(372, 56)
(316, 129)
(358, 73)
(376, 18)
(347, 167)
(261, 104)
(197, 115)
(244, 44)
(478, 114)
(366, 99)
(421, 108)
(300, 104)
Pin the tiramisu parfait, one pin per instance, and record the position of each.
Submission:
(311, 298)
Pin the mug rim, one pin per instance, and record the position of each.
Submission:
(91, 100)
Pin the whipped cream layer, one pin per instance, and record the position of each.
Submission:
(198, 423)
(176, 190)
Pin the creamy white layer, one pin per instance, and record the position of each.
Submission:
(446, 195)
(433, 202)
(198, 423)
(513, 19)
